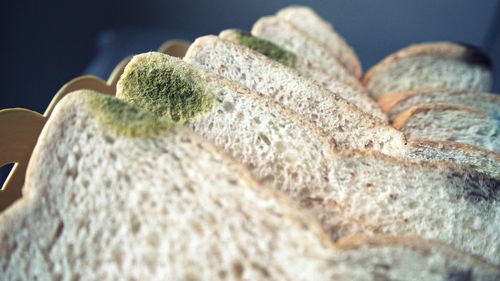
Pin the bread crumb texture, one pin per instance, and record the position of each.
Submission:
(158, 85)
(264, 47)
(125, 119)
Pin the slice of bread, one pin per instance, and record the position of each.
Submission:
(407, 258)
(339, 119)
(480, 159)
(399, 102)
(357, 95)
(351, 192)
(285, 35)
(277, 145)
(431, 65)
(188, 213)
(376, 194)
(307, 21)
(113, 193)
(446, 122)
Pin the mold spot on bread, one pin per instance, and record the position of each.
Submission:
(460, 275)
(125, 119)
(473, 55)
(262, 46)
(477, 190)
(165, 86)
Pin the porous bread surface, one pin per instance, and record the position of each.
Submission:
(263, 46)
(375, 194)
(188, 212)
(468, 53)
(407, 257)
(437, 65)
(480, 159)
(276, 145)
(355, 94)
(283, 34)
(340, 120)
(254, 131)
(445, 122)
(306, 20)
(479, 101)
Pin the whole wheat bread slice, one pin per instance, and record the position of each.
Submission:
(431, 65)
(399, 102)
(356, 95)
(351, 192)
(446, 122)
(339, 119)
(113, 193)
(285, 35)
(309, 22)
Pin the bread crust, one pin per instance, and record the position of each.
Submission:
(445, 49)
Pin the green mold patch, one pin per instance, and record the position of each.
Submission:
(166, 87)
(262, 46)
(125, 119)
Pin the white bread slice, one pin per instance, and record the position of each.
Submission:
(113, 193)
(431, 65)
(285, 35)
(399, 102)
(309, 22)
(480, 159)
(407, 258)
(351, 192)
(208, 52)
(189, 213)
(356, 95)
(339, 119)
(376, 194)
(277, 145)
(447, 122)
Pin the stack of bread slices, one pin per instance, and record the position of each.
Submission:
(264, 155)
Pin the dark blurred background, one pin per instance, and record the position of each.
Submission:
(46, 43)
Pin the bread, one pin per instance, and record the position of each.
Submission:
(307, 21)
(285, 35)
(350, 192)
(278, 146)
(187, 212)
(446, 122)
(407, 258)
(399, 102)
(480, 159)
(373, 195)
(431, 65)
(340, 120)
(357, 95)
